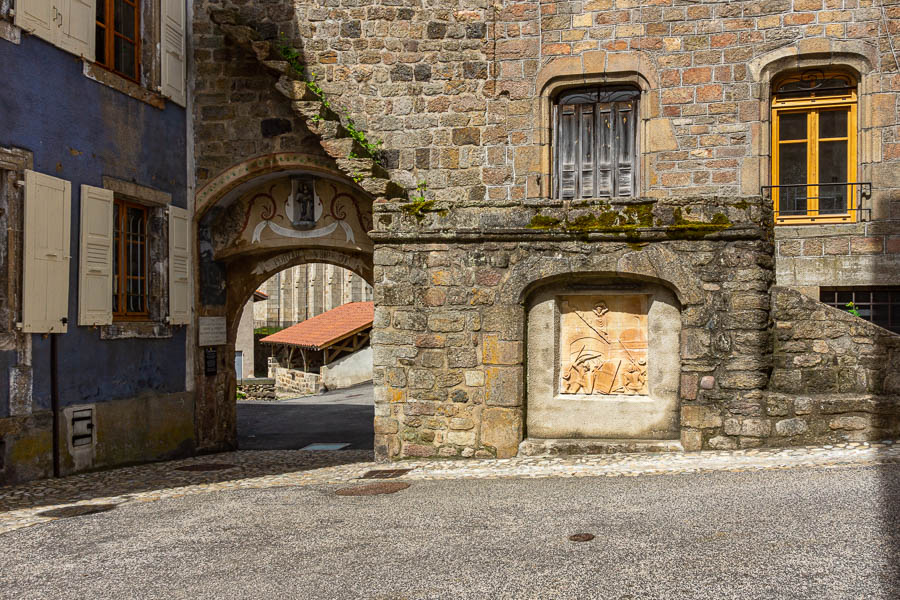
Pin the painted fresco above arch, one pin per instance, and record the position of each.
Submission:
(266, 218)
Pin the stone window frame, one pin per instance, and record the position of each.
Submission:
(618, 158)
(854, 57)
(13, 163)
(598, 69)
(157, 202)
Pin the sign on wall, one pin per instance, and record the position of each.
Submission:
(212, 331)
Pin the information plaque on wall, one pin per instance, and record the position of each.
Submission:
(212, 331)
(210, 362)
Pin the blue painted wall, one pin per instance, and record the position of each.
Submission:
(81, 130)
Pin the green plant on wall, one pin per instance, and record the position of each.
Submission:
(419, 204)
(372, 148)
(851, 308)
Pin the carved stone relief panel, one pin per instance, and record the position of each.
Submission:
(603, 345)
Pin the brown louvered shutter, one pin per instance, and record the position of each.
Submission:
(586, 154)
(605, 151)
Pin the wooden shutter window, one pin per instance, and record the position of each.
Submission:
(118, 40)
(40, 17)
(95, 274)
(45, 278)
(594, 135)
(172, 42)
(130, 261)
(179, 266)
(68, 24)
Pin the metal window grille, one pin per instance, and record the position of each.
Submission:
(881, 306)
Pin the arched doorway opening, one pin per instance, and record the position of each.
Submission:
(305, 364)
(253, 221)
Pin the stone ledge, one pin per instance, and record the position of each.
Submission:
(567, 447)
(135, 330)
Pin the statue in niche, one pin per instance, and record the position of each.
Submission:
(604, 343)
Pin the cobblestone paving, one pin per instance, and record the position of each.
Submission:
(20, 506)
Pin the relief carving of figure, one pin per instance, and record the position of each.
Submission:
(606, 343)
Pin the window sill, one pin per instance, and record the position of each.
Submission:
(124, 330)
(125, 86)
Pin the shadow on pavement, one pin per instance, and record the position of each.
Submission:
(166, 475)
(291, 426)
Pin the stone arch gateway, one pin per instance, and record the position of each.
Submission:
(256, 219)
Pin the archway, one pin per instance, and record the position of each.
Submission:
(254, 220)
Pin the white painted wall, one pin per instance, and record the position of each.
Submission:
(244, 341)
(349, 370)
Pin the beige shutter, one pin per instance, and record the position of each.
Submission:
(173, 52)
(45, 294)
(78, 32)
(179, 266)
(95, 270)
(40, 17)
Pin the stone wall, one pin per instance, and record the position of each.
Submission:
(290, 383)
(459, 91)
(451, 296)
(257, 390)
(857, 254)
(834, 378)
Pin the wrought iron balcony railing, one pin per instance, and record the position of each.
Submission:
(827, 202)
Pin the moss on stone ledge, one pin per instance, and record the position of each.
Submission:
(696, 230)
(543, 222)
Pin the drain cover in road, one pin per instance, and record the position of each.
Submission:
(373, 489)
(581, 537)
(325, 447)
(76, 511)
(200, 467)
(385, 473)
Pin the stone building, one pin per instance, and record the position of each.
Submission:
(95, 312)
(596, 225)
(304, 291)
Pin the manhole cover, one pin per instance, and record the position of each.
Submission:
(385, 473)
(373, 489)
(76, 511)
(199, 467)
(581, 537)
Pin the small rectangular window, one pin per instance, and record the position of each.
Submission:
(879, 305)
(594, 139)
(130, 261)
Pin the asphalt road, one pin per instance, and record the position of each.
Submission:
(341, 416)
(816, 534)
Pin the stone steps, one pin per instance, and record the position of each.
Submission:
(322, 122)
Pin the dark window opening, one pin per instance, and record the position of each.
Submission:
(117, 37)
(881, 306)
(130, 261)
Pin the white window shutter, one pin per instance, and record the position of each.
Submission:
(95, 271)
(45, 278)
(40, 17)
(172, 32)
(78, 33)
(179, 266)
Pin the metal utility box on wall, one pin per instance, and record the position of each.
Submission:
(82, 427)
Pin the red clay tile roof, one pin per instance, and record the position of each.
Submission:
(324, 330)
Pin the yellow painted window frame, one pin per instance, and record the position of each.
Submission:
(812, 106)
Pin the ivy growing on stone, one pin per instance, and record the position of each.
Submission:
(292, 56)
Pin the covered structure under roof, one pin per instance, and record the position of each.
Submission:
(342, 329)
